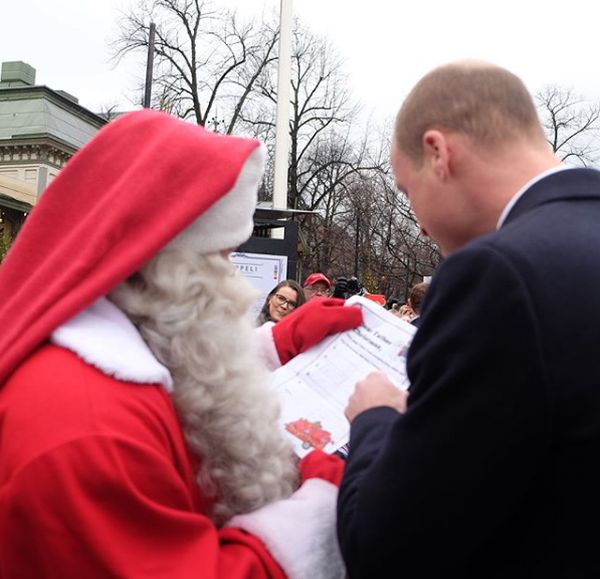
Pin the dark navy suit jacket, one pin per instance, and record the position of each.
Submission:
(494, 469)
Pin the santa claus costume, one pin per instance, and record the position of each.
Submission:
(115, 459)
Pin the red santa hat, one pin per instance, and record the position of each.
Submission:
(144, 181)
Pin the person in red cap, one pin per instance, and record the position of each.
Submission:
(317, 285)
(139, 438)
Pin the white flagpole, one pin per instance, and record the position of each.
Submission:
(282, 137)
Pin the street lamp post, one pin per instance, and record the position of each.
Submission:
(149, 67)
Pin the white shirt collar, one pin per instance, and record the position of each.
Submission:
(524, 189)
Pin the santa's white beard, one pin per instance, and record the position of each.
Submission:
(193, 311)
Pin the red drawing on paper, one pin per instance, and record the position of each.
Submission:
(310, 433)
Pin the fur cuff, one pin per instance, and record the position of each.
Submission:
(300, 532)
(265, 345)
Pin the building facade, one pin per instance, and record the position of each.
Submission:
(40, 129)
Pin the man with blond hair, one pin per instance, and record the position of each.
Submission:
(489, 468)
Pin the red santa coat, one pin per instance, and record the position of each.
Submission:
(114, 453)
(95, 478)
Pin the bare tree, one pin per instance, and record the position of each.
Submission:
(329, 196)
(336, 190)
(365, 227)
(205, 58)
(571, 125)
(320, 107)
(108, 112)
(406, 256)
(207, 62)
(392, 253)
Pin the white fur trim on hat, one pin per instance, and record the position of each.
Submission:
(229, 222)
(300, 532)
(105, 338)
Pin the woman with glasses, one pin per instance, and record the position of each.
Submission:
(284, 298)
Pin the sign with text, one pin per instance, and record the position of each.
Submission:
(263, 271)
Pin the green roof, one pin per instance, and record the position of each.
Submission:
(38, 110)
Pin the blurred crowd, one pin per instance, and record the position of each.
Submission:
(288, 295)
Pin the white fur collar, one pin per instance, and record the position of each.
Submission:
(104, 337)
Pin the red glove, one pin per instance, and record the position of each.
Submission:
(311, 323)
(318, 464)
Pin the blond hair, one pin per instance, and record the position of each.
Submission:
(487, 103)
(193, 312)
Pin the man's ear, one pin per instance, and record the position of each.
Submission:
(436, 153)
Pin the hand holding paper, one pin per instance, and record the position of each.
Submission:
(375, 390)
(315, 386)
(311, 323)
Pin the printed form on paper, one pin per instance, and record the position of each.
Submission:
(315, 386)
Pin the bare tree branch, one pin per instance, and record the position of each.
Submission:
(571, 124)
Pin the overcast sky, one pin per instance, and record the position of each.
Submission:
(387, 45)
